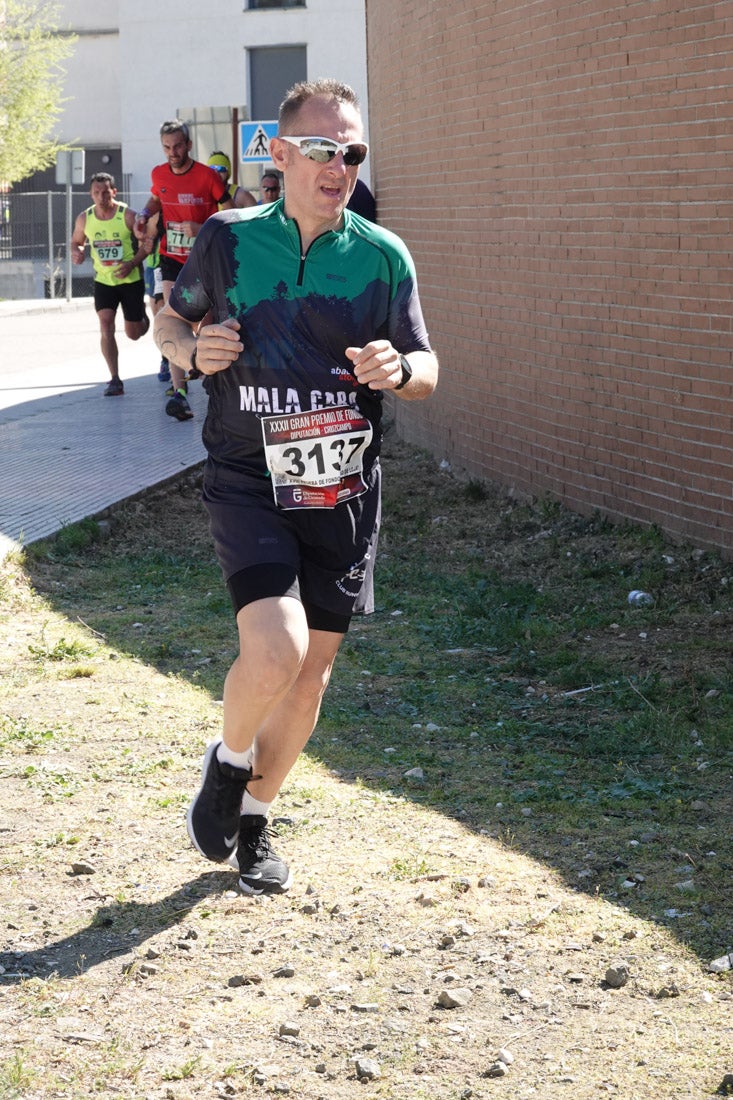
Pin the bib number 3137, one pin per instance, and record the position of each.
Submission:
(316, 458)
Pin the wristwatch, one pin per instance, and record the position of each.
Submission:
(406, 373)
(193, 371)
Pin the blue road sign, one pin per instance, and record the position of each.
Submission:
(254, 141)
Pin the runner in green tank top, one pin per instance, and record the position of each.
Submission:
(117, 256)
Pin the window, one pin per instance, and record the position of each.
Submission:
(272, 70)
(252, 4)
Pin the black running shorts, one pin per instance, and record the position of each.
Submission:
(322, 556)
(131, 296)
(170, 269)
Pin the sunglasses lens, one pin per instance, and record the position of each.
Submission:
(355, 154)
(318, 151)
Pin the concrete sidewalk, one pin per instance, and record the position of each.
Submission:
(66, 451)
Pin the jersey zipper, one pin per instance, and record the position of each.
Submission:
(304, 255)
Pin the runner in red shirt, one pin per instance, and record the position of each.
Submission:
(186, 193)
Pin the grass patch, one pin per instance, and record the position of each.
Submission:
(504, 681)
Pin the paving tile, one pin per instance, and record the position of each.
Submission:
(66, 451)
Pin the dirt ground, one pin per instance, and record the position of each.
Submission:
(414, 957)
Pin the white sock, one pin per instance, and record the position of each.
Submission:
(253, 807)
(225, 755)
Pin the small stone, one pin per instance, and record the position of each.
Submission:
(670, 990)
(497, 1069)
(289, 1029)
(365, 1006)
(83, 869)
(505, 1056)
(417, 774)
(367, 1069)
(313, 1000)
(487, 882)
(719, 966)
(284, 972)
(455, 997)
(617, 975)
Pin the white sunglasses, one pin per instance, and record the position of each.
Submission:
(322, 149)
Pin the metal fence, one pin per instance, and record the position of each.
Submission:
(35, 231)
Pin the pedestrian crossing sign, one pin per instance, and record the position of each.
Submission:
(254, 141)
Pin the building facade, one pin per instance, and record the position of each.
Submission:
(135, 64)
(562, 174)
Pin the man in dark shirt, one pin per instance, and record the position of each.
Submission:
(315, 316)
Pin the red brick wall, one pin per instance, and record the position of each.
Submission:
(563, 174)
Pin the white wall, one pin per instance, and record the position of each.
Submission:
(91, 109)
(122, 88)
(82, 15)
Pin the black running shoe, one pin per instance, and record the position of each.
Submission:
(213, 816)
(114, 388)
(179, 407)
(261, 871)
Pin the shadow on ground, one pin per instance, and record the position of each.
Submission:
(116, 929)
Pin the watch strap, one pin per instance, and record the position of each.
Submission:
(406, 373)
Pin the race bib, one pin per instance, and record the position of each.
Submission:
(316, 458)
(109, 253)
(178, 242)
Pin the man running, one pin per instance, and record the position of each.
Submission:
(186, 193)
(116, 255)
(316, 316)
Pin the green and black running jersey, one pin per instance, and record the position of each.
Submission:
(298, 313)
